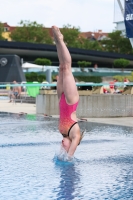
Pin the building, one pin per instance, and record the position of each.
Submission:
(99, 35)
(7, 30)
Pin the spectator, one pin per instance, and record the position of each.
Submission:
(55, 78)
(16, 90)
(112, 83)
(95, 66)
(126, 81)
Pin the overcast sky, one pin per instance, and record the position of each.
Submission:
(89, 15)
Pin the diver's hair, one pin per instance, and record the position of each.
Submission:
(82, 135)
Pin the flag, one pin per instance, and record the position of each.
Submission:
(128, 18)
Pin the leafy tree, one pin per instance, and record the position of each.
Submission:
(71, 35)
(83, 64)
(43, 61)
(121, 63)
(31, 32)
(30, 77)
(92, 45)
(117, 43)
(33, 76)
(1, 31)
(73, 38)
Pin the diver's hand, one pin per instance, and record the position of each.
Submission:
(68, 158)
(65, 157)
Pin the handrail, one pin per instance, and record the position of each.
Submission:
(54, 84)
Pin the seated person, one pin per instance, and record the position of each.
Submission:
(105, 91)
(117, 90)
(16, 90)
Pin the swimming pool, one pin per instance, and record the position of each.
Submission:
(29, 169)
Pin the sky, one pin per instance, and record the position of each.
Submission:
(88, 15)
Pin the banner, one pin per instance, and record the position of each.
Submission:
(128, 18)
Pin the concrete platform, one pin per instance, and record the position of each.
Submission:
(90, 106)
(31, 109)
(28, 108)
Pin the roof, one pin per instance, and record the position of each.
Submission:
(97, 35)
(10, 28)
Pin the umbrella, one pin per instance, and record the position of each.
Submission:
(30, 65)
(27, 66)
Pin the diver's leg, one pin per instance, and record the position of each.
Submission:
(60, 83)
(60, 77)
(69, 86)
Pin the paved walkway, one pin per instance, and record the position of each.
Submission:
(17, 107)
(31, 109)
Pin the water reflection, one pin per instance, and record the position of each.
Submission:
(69, 179)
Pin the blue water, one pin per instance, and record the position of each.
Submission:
(29, 169)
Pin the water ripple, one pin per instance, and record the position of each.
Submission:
(29, 168)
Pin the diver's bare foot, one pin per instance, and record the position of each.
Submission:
(57, 34)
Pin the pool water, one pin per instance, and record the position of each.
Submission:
(29, 169)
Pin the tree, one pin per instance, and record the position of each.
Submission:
(31, 32)
(83, 64)
(1, 31)
(91, 45)
(71, 35)
(121, 62)
(117, 43)
(73, 38)
(42, 61)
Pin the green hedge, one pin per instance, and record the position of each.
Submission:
(33, 76)
(94, 79)
(40, 77)
(43, 61)
(121, 78)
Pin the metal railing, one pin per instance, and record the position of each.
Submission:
(5, 88)
(6, 85)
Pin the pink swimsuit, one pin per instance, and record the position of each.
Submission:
(65, 121)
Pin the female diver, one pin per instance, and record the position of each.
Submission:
(68, 97)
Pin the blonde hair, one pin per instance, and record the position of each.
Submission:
(82, 135)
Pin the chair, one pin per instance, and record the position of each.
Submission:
(97, 90)
(24, 90)
(54, 87)
(128, 90)
(44, 87)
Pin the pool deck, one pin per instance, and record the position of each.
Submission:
(31, 109)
